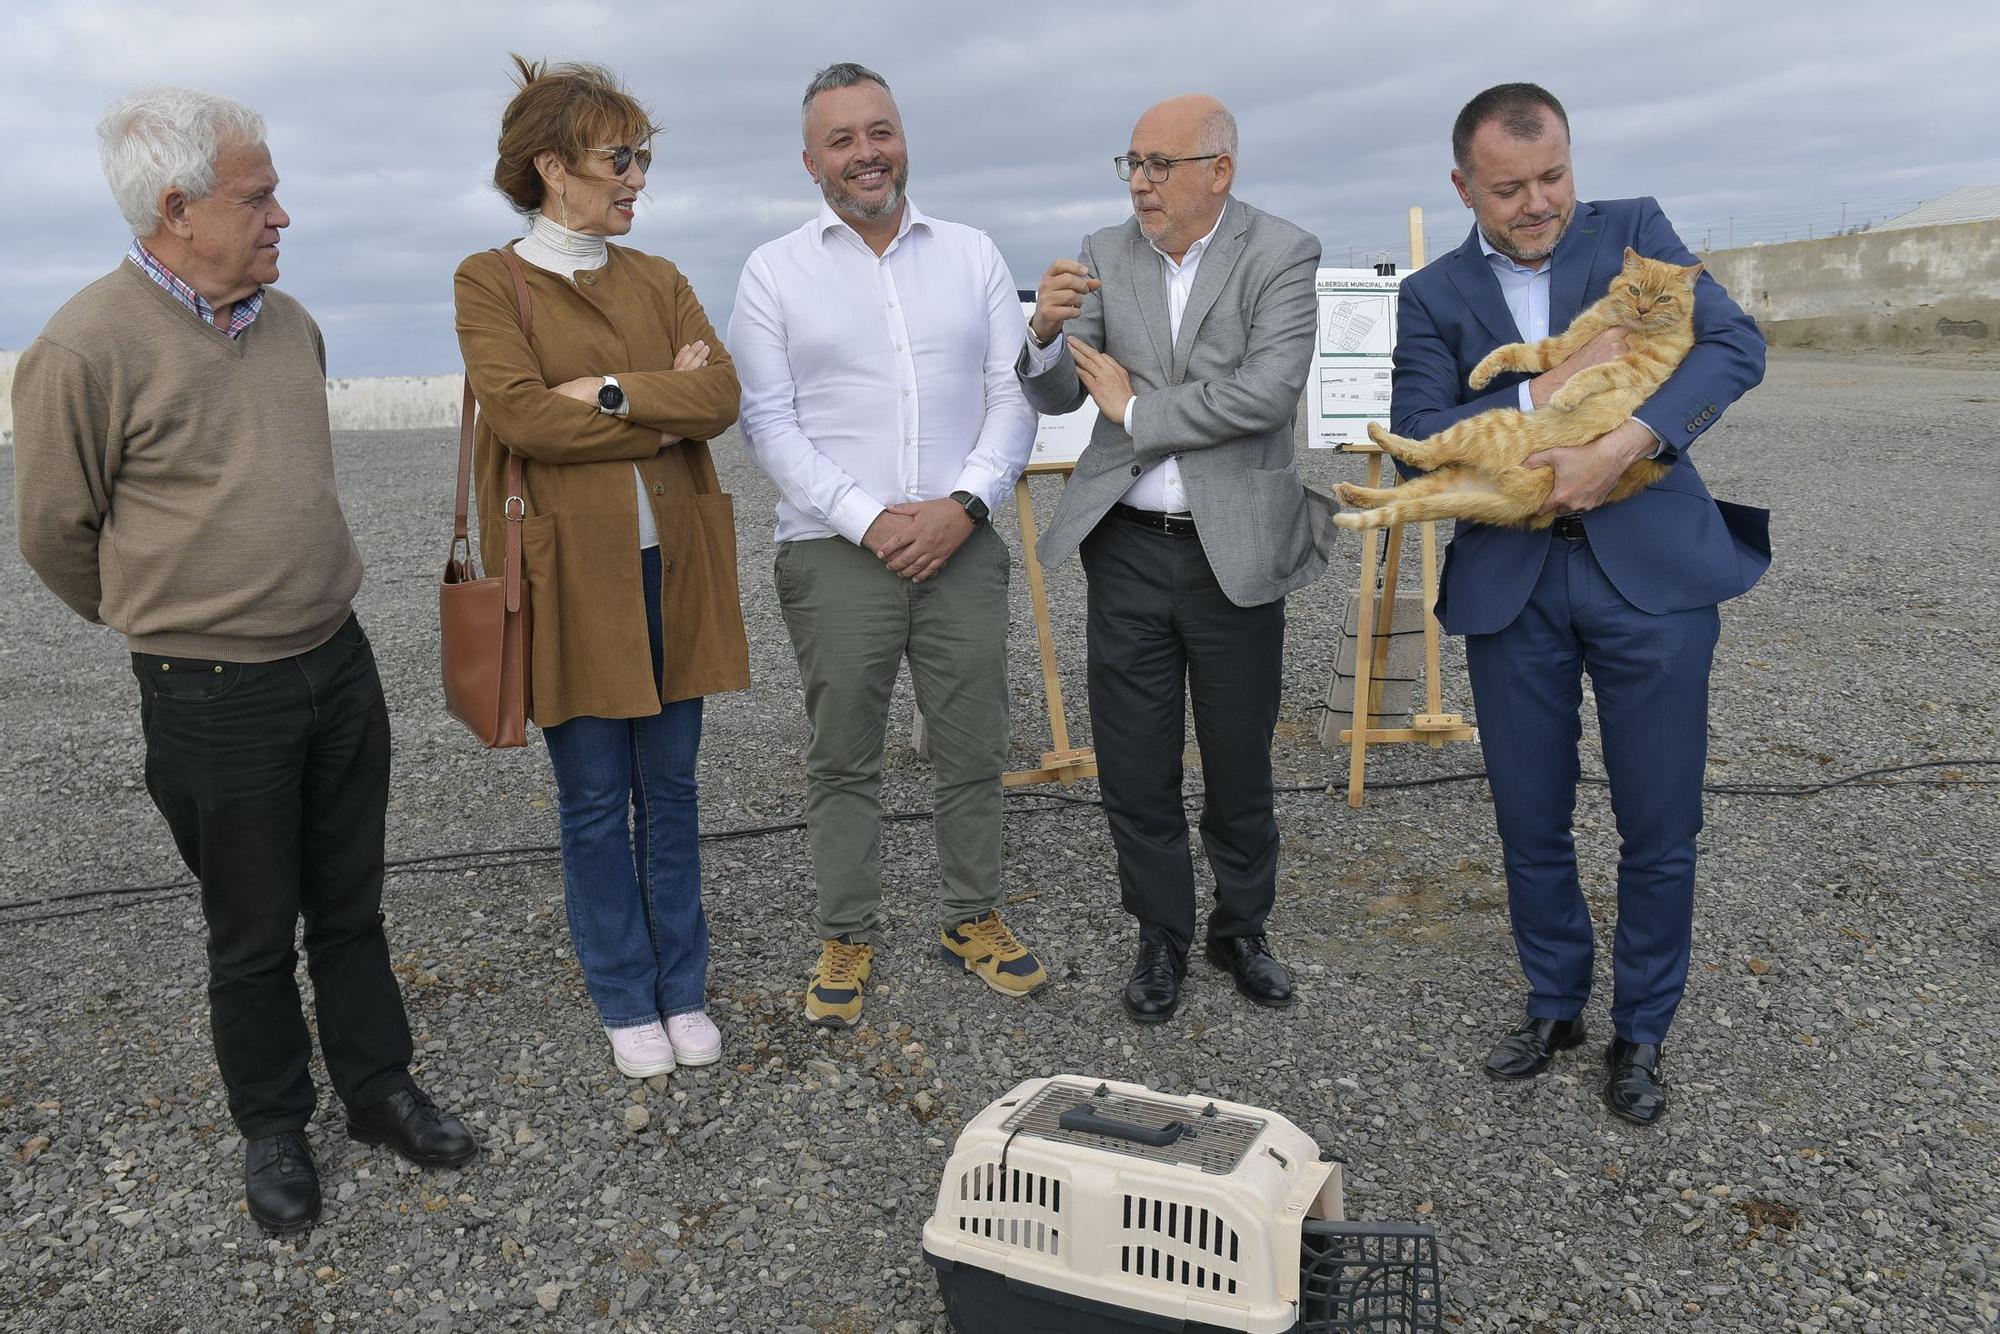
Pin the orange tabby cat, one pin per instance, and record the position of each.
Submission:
(1473, 468)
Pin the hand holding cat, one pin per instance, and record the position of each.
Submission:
(1585, 474)
(1608, 345)
(1110, 387)
(1059, 297)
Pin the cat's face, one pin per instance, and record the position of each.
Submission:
(1651, 293)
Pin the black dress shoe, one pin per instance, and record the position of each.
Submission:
(1635, 1090)
(1154, 992)
(410, 1123)
(1258, 975)
(280, 1182)
(1525, 1052)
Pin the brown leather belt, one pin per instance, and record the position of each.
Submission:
(1173, 525)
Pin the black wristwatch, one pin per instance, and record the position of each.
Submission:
(611, 398)
(975, 508)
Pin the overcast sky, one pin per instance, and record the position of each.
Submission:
(383, 119)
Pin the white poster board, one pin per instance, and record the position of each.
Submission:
(1349, 384)
(1059, 439)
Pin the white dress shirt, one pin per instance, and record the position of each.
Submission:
(1159, 487)
(868, 381)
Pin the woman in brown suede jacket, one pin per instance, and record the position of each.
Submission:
(629, 544)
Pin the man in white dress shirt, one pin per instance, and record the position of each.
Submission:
(876, 350)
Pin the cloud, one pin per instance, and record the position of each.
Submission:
(1752, 121)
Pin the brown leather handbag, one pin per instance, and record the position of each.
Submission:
(485, 624)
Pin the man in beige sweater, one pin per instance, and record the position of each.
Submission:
(174, 474)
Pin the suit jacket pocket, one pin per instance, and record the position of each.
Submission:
(1284, 525)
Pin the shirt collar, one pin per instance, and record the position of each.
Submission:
(1196, 250)
(240, 318)
(1506, 261)
(829, 221)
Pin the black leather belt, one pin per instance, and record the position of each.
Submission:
(1173, 525)
(1569, 527)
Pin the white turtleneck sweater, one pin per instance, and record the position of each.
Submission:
(551, 246)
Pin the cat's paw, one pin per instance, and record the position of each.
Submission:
(1571, 395)
(1489, 366)
(1394, 445)
(1347, 493)
(1354, 520)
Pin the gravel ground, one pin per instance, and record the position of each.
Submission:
(1832, 1160)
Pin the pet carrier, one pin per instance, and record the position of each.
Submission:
(1075, 1204)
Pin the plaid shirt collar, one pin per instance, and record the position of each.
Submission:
(240, 318)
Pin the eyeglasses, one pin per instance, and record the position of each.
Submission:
(623, 156)
(1157, 169)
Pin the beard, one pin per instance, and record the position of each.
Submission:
(845, 201)
(1506, 246)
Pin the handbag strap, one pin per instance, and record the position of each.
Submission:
(515, 506)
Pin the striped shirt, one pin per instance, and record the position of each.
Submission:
(240, 318)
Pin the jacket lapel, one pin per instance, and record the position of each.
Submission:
(1150, 290)
(1216, 264)
(1473, 276)
(1575, 257)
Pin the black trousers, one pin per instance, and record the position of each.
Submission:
(274, 778)
(1160, 632)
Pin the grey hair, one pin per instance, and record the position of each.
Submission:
(845, 74)
(157, 138)
(1218, 133)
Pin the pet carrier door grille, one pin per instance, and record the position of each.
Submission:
(1212, 1140)
(1012, 1207)
(1179, 1243)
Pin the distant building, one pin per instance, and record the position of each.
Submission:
(1968, 203)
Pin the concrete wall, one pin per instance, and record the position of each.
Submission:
(395, 402)
(1916, 287)
(382, 403)
(7, 360)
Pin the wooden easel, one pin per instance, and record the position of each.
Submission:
(1065, 763)
(1434, 727)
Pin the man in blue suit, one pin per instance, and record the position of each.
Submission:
(1626, 592)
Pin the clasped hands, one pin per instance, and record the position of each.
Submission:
(692, 357)
(1585, 474)
(915, 538)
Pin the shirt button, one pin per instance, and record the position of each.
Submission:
(659, 488)
(589, 280)
(1135, 470)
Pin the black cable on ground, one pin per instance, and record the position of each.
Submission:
(486, 859)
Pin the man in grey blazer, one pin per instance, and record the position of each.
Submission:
(1191, 325)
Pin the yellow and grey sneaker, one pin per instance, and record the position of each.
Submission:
(990, 952)
(833, 997)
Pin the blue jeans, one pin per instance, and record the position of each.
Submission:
(625, 791)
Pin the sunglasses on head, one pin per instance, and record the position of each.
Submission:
(623, 156)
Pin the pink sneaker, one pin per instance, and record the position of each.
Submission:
(641, 1050)
(696, 1039)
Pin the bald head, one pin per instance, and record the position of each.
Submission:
(1197, 119)
(1192, 140)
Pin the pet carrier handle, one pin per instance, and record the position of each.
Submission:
(1087, 1120)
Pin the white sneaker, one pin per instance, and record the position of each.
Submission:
(641, 1050)
(696, 1039)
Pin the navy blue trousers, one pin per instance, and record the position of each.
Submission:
(1650, 677)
